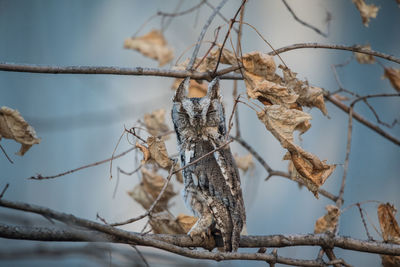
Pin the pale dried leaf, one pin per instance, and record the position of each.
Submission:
(245, 163)
(195, 89)
(227, 57)
(364, 58)
(165, 223)
(394, 77)
(261, 81)
(340, 97)
(13, 126)
(282, 122)
(366, 11)
(309, 96)
(153, 183)
(208, 64)
(140, 195)
(186, 222)
(152, 45)
(390, 261)
(259, 64)
(328, 222)
(155, 122)
(389, 226)
(145, 151)
(158, 152)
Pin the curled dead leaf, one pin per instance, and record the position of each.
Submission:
(364, 58)
(186, 222)
(165, 223)
(153, 183)
(340, 97)
(366, 11)
(158, 152)
(13, 126)
(208, 64)
(152, 45)
(390, 231)
(140, 195)
(308, 96)
(389, 226)
(145, 151)
(394, 77)
(227, 56)
(390, 261)
(244, 163)
(155, 122)
(282, 122)
(195, 89)
(328, 222)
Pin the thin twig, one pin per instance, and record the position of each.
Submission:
(40, 177)
(5, 154)
(141, 256)
(150, 210)
(4, 190)
(201, 36)
(364, 222)
(220, 15)
(361, 119)
(227, 34)
(302, 21)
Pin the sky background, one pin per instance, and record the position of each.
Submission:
(80, 117)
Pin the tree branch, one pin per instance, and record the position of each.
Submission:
(278, 241)
(354, 48)
(138, 71)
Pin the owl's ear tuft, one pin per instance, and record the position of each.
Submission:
(180, 93)
(213, 89)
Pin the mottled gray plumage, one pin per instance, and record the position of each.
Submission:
(212, 185)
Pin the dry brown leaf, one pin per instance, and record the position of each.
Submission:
(153, 183)
(390, 261)
(244, 163)
(140, 195)
(195, 89)
(152, 45)
(261, 81)
(13, 126)
(227, 56)
(165, 223)
(366, 11)
(389, 226)
(208, 64)
(155, 122)
(390, 232)
(158, 152)
(327, 223)
(282, 122)
(394, 77)
(309, 96)
(145, 151)
(186, 222)
(364, 58)
(340, 97)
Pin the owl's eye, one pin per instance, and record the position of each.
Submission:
(211, 112)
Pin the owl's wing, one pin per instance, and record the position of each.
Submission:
(230, 173)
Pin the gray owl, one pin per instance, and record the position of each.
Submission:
(212, 185)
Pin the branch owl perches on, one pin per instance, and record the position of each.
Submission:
(212, 185)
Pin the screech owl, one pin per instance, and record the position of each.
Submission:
(212, 185)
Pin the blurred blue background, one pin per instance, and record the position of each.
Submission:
(80, 117)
